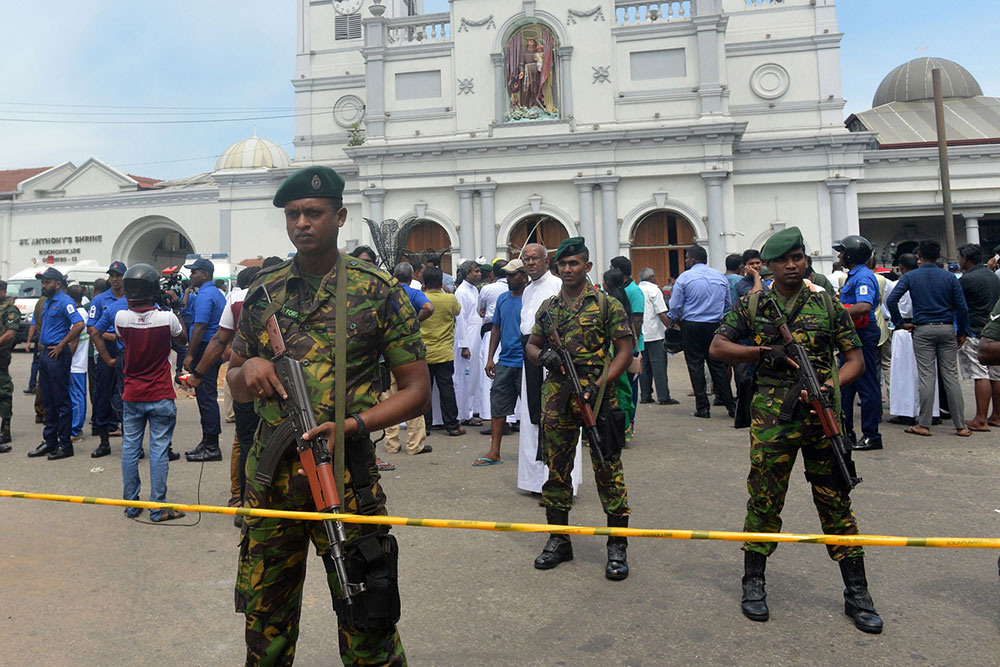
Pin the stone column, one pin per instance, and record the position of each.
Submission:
(566, 81)
(585, 188)
(226, 230)
(839, 225)
(972, 227)
(466, 221)
(716, 218)
(609, 220)
(499, 88)
(487, 220)
(374, 55)
(376, 199)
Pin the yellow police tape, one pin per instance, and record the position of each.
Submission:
(728, 536)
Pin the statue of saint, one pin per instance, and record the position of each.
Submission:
(529, 58)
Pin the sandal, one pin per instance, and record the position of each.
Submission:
(484, 461)
(384, 466)
(963, 432)
(912, 430)
(168, 515)
(475, 421)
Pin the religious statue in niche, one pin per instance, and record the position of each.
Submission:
(529, 61)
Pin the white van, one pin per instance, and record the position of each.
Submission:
(26, 290)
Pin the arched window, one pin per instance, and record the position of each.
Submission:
(536, 229)
(427, 234)
(531, 74)
(658, 241)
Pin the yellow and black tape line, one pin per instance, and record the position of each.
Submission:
(502, 526)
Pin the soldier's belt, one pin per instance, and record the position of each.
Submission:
(727, 536)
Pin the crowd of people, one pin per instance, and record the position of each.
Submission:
(528, 346)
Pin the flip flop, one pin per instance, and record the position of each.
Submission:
(483, 461)
(384, 466)
(980, 429)
(911, 430)
(168, 515)
(963, 433)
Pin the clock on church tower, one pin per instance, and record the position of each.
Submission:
(346, 7)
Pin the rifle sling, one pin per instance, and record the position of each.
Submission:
(340, 378)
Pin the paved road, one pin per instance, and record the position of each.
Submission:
(84, 586)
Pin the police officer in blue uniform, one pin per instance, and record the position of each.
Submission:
(860, 296)
(105, 377)
(208, 309)
(61, 324)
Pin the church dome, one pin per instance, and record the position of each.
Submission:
(253, 153)
(911, 82)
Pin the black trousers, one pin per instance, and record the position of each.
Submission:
(441, 374)
(696, 337)
(533, 377)
(246, 426)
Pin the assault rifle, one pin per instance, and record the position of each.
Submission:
(578, 394)
(314, 455)
(821, 401)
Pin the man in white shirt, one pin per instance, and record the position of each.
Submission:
(78, 367)
(468, 336)
(654, 327)
(531, 473)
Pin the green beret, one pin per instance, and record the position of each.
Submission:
(780, 243)
(571, 246)
(316, 181)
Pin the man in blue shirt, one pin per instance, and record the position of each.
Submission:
(105, 377)
(208, 309)
(860, 296)
(938, 302)
(61, 324)
(505, 332)
(700, 298)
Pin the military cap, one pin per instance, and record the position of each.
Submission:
(201, 263)
(780, 243)
(315, 181)
(571, 246)
(117, 267)
(513, 266)
(50, 273)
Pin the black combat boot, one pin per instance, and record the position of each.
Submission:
(754, 603)
(198, 449)
(857, 601)
(210, 451)
(104, 448)
(5, 433)
(558, 549)
(617, 567)
(60, 452)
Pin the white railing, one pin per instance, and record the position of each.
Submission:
(630, 12)
(419, 29)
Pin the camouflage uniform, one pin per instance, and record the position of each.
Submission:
(380, 321)
(590, 343)
(10, 320)
(773, 445)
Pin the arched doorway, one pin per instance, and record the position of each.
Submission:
(429, 235)
(156, 240)
(536, 229)
(658, 241)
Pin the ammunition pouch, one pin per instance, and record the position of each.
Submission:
(611, 424)
(371, 560)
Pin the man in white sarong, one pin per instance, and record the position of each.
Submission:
(468, 336)
(488, 296)
(532, 474)
(904, 384)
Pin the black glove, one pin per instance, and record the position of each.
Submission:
(550, 360)
(776, 358)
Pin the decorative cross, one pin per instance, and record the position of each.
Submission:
(602, 74)
(465, 87)
(923, 51)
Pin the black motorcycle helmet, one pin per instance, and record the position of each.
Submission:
(856, 249)
(142, 283)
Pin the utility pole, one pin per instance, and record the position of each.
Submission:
(942, 141)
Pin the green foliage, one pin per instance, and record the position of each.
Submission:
(355, 135)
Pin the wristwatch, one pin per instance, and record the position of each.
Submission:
(362, 429)
(198, 374)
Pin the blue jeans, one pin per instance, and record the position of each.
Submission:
(161, 416)
(78, 396)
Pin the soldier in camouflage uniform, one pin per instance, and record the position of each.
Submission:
(10, 320)
(380, 322)
(590, 326)
(823, 327)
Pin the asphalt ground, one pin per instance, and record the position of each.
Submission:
(82, 585)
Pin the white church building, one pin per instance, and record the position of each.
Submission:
(642, 126)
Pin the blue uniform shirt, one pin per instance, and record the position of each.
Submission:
(507, 316)
(106, 323)
(208, 310)
(861, 287)
(97, 306)
(417, 297)
(58, 316)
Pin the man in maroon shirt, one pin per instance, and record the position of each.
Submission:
(148, 393)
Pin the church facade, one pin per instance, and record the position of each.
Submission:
(642, 126)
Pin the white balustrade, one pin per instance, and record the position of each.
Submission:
(630, 12)
(419, 29)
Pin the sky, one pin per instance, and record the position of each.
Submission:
(231, 61)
